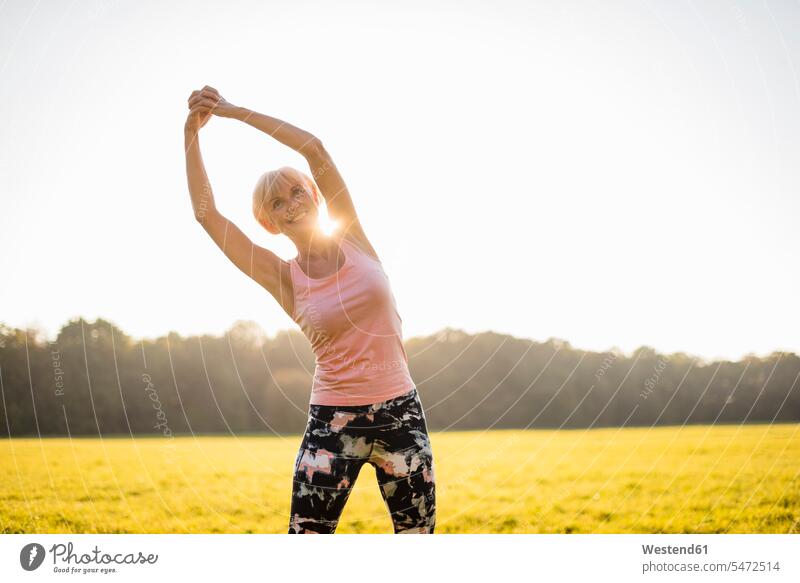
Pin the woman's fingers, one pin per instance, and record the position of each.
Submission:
(216, 98)
(200, 110)
(203, 101)
(205, 93)
(207, 96)
(195, 98)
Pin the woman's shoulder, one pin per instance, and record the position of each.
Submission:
(361, 244)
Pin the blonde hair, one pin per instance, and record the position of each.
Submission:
(273, 182)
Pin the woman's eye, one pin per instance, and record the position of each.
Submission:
(297, 193)
(276, 204)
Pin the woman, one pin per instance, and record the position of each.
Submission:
(364, 405)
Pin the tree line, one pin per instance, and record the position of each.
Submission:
(93, 379)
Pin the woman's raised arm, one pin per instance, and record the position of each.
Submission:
(323, 170)
(260, 264)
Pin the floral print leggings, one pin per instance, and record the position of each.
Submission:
(392, 436)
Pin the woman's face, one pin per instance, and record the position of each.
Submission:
(293, 209)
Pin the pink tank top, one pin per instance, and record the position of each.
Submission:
(351, 320)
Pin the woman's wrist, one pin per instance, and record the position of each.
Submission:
(240, 113)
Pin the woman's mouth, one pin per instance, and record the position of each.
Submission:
(299, 216)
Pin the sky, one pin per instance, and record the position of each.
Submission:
(612, 174)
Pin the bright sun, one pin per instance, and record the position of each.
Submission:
(326, 224)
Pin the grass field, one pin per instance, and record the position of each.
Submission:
(693, 479)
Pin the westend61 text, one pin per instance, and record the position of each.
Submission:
(675, 550)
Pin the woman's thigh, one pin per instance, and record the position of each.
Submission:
(326, 467)
(403, 461)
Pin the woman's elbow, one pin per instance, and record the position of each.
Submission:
(313, 148)
(203, 213)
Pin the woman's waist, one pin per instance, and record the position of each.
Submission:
(360, 370)
(344, 394)
(377, 352)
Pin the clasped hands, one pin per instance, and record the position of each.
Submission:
(203, 103)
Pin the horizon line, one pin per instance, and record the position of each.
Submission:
(553, 339)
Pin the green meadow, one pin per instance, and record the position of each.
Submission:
(705, 479)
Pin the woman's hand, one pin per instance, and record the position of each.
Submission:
(196, 119)
(209, 100)
(199, 110)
